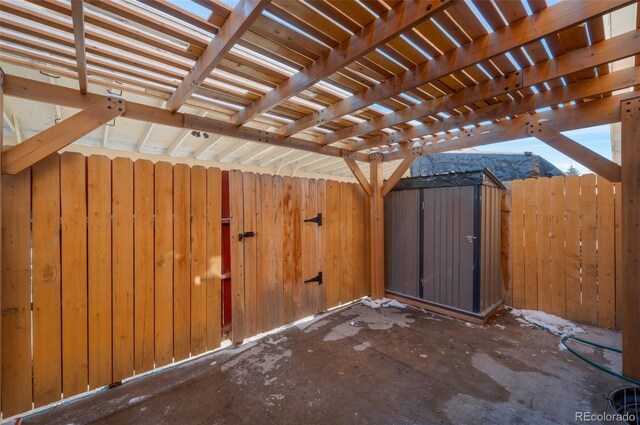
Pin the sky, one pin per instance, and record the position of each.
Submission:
(198, 10)
(597, 139)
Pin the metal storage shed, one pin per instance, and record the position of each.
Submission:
(442, 234)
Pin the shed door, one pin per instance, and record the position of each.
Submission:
(402, 247)
(448, 229)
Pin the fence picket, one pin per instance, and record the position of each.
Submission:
(589, 310)
(557, 236)
(517, 253)
(618, 251)
(530, 247)
(543, 244)
(606, 255)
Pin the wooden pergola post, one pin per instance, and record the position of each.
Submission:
(376, 223)
(630, 117)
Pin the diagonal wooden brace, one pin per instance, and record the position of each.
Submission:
(410, 157)
(574, 150)
(51, 140)
(357, 172)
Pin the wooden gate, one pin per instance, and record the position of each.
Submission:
(281, 237)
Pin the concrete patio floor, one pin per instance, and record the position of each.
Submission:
(369, 366)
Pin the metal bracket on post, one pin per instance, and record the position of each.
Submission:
(317, 219)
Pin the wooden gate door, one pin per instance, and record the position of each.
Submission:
(277, 251)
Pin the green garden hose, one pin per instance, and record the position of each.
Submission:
(591, 362)
(564, 339)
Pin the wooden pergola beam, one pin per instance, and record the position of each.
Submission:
(585, 156)
(52, 94)
(77, 14)
(607, 51)
(524, 31)
(630, 118)
(582, 115)
(357, 172)
(24, 155)
(580, 90)
(403, 16)
(240, 19)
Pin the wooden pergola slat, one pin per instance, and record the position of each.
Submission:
(572, 117)
(611, 50)
(547, 22)
(77, 12)
(234, 27)
(587, 88)
(402, 17)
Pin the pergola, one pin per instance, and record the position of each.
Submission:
(291, 83)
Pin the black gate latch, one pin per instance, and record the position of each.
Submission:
(318, 279)
(317, 219)
(246, 235)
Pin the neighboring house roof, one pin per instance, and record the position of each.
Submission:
(505, 166)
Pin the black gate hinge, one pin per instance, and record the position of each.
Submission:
(318, 279)
(316, 219)
(246, 235)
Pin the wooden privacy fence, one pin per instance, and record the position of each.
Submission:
(269, 269)
(112, 268)
(562, 248)
(124, 275)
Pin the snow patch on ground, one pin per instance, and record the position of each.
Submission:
(554, 324)
(430, 317)
(384, 302)
(472, 325)
(272, 341)
(362, 347)
(374, 319)
(137, 399)
(249, 365)
(270, 361)
(499, 326)
(245, 355)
